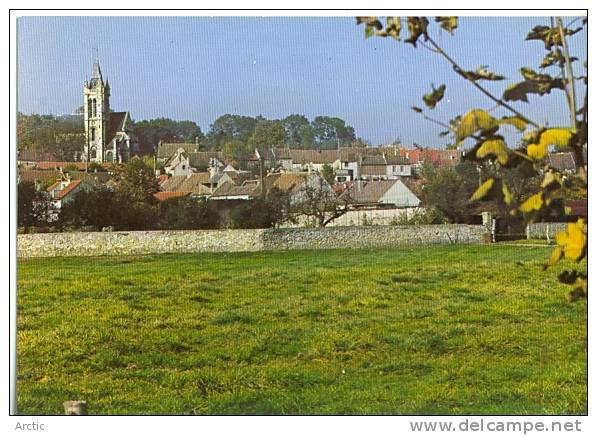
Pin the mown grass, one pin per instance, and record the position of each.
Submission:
(429, 330)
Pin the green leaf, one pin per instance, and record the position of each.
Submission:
(480, 73)
(534, 83)
(417, 26)
(447, 23)
(434, 97)
(549, 35)
(555, 58)
(417, 109)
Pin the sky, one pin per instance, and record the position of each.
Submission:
(198, 68)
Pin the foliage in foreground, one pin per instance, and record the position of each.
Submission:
(482, 132)
(442, 330)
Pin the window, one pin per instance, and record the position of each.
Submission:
(93, 134)
(90, 107)
(94, 107)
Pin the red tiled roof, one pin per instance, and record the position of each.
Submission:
(35, 156)
(578, 207)
(38, 175)
(68, 189)
(162, 196)
(53, 165)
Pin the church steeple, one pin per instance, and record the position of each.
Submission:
(97, 72)
(96, 115)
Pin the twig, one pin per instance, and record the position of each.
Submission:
(499, 101)
(572, 90)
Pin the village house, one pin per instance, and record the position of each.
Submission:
(62, 192)
(377, 202)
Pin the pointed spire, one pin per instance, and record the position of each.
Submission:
(97, 72)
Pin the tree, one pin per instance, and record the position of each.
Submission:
(448, 190)
(297, 131)
(186, 213)
(480, 130)
(136, 180)
(151, 132)
(268, 134)
(268, 211)
(328, 173)
(230, 127)
(331, 132)
(97, 207)
(319, 203)
(33, 206)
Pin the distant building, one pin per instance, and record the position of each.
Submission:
(107, 134)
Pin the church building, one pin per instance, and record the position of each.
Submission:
(108, 136)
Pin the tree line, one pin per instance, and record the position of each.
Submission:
(236, 135)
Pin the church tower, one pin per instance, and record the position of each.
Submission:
(97, 113)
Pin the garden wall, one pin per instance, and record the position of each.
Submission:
(544, 230)
(154, 242)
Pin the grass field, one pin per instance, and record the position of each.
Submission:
(429, 330)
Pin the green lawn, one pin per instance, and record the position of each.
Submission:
(428, 330)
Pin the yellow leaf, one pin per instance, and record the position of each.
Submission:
(497, 147)
(535, 202)
(482, 190)
(555, 256)
(556, 136)
(537, 151)
(515, 121)
(474, 121)
(551, 177)
(507, 194)
(573, 240)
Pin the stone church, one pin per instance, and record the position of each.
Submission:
(108, 135)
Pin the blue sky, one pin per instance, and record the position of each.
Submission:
(198, 68)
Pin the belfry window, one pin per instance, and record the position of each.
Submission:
(90, 107)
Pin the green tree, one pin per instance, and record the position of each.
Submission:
(33, 206)
(187, 213)
(297, 128)
(264, 212)
(448, 190)
(329, 132)
(228, 128)
(268, 134)
(328, 173)
(151, 132)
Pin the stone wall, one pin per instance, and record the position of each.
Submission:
(155, 242)
(544, 230)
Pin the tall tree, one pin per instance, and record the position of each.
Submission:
(330, 132)
(268, 134)
(296, 126)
